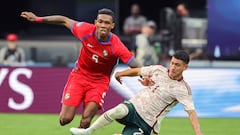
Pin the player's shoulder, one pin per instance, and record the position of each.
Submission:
(159, 67)
(154, 69)
(187, 87)
(115, 40)
(84, 24)
(88, 27)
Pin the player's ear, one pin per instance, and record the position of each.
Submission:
(95, 21)
(113, 25)
(186, 66)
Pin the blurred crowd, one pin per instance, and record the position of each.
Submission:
(151, 42)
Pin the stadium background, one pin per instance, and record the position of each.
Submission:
(80, 10)
(52, 50)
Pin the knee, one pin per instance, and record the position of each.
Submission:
(65, 120)
(118, 112)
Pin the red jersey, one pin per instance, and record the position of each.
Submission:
(97, 59)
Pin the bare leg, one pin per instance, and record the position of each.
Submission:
(67, 114)
(90, 109)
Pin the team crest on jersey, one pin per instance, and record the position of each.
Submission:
(67, 96)
(105, 53)
(78, 24)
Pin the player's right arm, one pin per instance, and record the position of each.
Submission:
(52, 19)
(134, 72)
(128, 72)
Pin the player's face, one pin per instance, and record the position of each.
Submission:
(104, 24)
(176, 68)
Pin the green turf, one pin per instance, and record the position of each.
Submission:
(47, 124)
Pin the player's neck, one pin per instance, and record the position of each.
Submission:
(178, 78)
(102, 38)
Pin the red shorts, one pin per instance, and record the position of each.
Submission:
(78, 89)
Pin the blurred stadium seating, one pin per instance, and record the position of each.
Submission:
(49, 52)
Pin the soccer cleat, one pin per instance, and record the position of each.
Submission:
(79, 131)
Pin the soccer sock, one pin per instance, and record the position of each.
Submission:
(117, 112)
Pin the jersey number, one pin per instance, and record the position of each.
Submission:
(95, 58)
(139, 133)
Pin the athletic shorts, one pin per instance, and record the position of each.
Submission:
(134, 124)
(78, 89)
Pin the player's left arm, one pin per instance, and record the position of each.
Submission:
(134, 64)
(194, 121)
(186, 99)
(122, 52)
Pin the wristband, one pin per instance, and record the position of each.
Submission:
(38, 19)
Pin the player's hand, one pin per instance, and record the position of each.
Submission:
(29, 16)
(118, 77)
(146, 81)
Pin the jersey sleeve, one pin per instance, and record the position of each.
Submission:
(80, 29)
(187, 103)
(122, 52)
(186, 99)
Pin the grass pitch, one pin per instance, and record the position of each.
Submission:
(48, 124)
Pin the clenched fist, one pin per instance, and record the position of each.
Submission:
(29, 16)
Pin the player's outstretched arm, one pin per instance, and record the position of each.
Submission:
(194, 121)
(128, 72)
(53, 19)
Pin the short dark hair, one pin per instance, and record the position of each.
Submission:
(106, 11)
(182, 55)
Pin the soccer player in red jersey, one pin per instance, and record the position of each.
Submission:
(89, 80)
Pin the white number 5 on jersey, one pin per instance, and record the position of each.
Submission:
(95, 58)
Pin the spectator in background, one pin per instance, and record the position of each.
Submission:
(145, 49)
(171, 22)
(133, 23)
(12, 54)
(181, 12)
